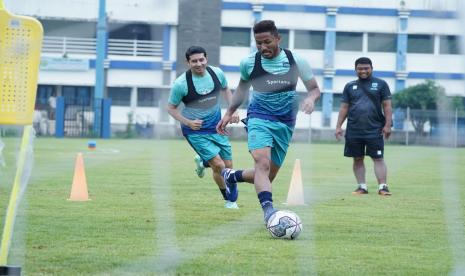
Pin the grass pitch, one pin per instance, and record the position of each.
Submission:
(149, 213)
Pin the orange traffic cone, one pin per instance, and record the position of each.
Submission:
(295, 196)
(79, 188)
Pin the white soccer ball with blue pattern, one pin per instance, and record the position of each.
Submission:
(284, 224)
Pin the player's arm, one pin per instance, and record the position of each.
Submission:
(343, 110)
(313, 95)
(387, 108)
(174, 112)
(306, 75)
(228, 97)
(241, 93)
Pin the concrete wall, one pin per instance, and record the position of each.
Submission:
(199, 24)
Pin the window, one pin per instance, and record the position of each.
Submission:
(309, 40)
(346, 41)
(239, 37)
(43, 93)
(337, 98)
(378, 42)
(77, 95)
(139, 31)
(284, 38)
(120, 96)
(420, 44)
(449, 44)
(69, 28)
(148, 97)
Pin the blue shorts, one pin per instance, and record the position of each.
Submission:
(276, 135)
(208, 146)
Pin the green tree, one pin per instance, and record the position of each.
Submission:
(424, 100)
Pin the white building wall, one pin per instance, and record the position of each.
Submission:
(236, 18)
(422, 25)
(297, 20)
(81, 78)
(148, 11)
(233, 55)
(366, 23)
(129, 78)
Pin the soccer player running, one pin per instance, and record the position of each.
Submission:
(199, 89)
(362, 100)
(273, 73)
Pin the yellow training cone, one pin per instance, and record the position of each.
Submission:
(79, 188)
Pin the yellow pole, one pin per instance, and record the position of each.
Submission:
(15, 192)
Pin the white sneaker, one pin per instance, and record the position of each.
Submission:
(230, 205)
(200, 169)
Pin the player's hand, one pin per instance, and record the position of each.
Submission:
(338, 133)
(387, 132)
(308, 105)
(221, 126)
(195, 124)
(235, 118)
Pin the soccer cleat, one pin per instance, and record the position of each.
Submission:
(231, 185)
(384, 191)
(268, 215)
(230, 205)
(360, 191)
(200, 169)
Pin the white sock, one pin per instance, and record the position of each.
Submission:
(363, 186)
(381, 186)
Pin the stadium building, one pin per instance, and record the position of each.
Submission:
(140, 45)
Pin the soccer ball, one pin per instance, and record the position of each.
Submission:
(284, 224)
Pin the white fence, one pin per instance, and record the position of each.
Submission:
(88, 46)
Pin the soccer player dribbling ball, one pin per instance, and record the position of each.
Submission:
(272, 72)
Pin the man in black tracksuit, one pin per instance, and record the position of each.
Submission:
(366, 103)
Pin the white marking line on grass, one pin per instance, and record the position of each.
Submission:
(453, 211)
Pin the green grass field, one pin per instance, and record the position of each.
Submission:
(150, 214)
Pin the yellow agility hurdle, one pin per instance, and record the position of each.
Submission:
(20, 47)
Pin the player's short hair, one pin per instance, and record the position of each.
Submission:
(363, 60)
(265, 26)
(195, 50)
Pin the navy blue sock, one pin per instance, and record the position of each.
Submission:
(266, 201)
(238, 176)
(223, 192)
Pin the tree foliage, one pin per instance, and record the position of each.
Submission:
(424, 100)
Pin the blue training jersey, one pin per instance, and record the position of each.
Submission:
(203, 86)
(279, 106)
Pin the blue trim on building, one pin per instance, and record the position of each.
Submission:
(106, 118)
(294, 8)
(166, 42)
(102, 46)
(134, 64)
(341, 10)
(367, 11)
(237, 6)
(432, 75)
(60, 118)
(154, 65)
(433, 14)
(381, 74)
(400, 84)
(330, 48)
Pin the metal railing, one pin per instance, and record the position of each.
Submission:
(88, 46)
